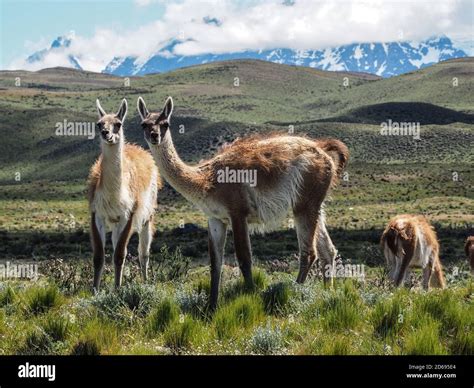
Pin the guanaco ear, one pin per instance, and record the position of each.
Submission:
(100, 110)
(142, 110)
(168, 109)
(122, 112)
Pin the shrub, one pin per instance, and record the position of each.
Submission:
(70, 276)
(193, 302)
(180, 334)
(239, 287)
(57, 327)
(169, 266)
(243, 312)
(424, 340)
(463, 343)
(133, 297)
(165, 313)
(40, 300)
(37, 342)
(7, 296)
(266, 340)
(337, 346)
(98, 337)
(280, 298)
(86, 347)
(139, 298)
(386, 318)
(444, 308)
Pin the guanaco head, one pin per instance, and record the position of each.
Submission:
(155, 125)
(110, 125)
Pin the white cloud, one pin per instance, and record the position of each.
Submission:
(306, 24)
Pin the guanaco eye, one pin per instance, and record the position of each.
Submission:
(117, 127)
(144, 125)
(99, 126)
(165, 125)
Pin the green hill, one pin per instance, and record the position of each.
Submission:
(217, 102)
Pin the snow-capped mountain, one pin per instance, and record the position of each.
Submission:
(383, 59)
(59, 46)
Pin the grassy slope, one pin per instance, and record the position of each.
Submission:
(209, 106)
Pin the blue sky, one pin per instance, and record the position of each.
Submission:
(109, 28)
(24, 21)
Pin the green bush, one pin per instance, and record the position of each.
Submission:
(86, 347)
(169, 266)
(239, 286)
(276, 298)
(202, 286)
(193, 302)
(386, 318)
(463, 343)
(97, 337)
(57, 327)
(134, 298)
(40, 300)
(266, 340)
(337, 346)
(425, 340)
(180, 334)
(165, 313)
(7, 296)
(37, 342)
(241, 313)
(444, 308)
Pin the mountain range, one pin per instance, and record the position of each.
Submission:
(59, 45)
(382, 59)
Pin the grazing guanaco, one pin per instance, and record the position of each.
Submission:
(410, 241)
(292, 172)
(123, 185)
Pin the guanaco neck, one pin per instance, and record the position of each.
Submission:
(112, 166)
(184, 178)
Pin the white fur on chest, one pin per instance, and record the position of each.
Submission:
(112, 207)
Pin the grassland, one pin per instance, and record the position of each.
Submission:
(44, 215)
(58, 315)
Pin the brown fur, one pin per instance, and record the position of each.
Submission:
(469, 249)
(337, 150)
(266, 154)
(406, 235)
